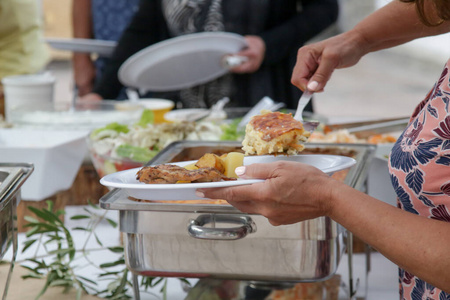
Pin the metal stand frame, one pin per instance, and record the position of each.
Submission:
(15, 250)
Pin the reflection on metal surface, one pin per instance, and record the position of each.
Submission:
(158, 240)
(197, 228)
(12, 176)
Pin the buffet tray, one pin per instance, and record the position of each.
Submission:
(191, 150)
(219, 241)
(12, 177)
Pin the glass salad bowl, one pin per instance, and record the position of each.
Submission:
(116, 147)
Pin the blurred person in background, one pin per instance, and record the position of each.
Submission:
(22, 46)
(274, 30)
(101, 20)
(417, 236)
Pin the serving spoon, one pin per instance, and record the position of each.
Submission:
(302, 102)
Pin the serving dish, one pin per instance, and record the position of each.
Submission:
(166, 238)
(100, 47)
(12, 177)
(56, 154)
(83, 115)
(127, 181)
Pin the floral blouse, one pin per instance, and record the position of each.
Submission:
(419, 167)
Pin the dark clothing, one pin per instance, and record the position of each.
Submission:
(284, 25)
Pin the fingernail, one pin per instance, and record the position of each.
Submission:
(199, 194)
(240, 171)
(312, 86)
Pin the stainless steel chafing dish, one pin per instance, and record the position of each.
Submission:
(12, 176)
(211, 240)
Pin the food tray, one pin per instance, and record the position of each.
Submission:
(209, 240)
(12, 176)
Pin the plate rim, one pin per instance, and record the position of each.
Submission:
(102, 47)
(131, 81)
(142, 186)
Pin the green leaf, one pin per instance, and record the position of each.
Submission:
(45, 215)
(79, 217)
(109, 273)
(117, 249)
(33, 276)
(95, 206)
(98, 240)
(63, 251)
(122, 284)
(50, 205)
(113, 264)
(87, 279)
(61, 282)
(27, 244)
(135, 153)
(112, 222)
(111, 126)
(230, 131)
(147, 117)
(81, 228)
(30, 219)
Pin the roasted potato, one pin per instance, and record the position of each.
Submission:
(233, 160)
(210, 160)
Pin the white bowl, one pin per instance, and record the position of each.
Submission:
(159, 107)
(56, 155)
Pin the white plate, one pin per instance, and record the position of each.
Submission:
(101, 47)
(180, 62)
(186, 191)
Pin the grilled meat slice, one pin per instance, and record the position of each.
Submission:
(172, 174)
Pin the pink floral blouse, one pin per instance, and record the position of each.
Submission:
(419, 167)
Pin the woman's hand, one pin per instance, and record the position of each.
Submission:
(84, 73)
(91, 97)
(316, 62)
(254, 52)
(292, 192)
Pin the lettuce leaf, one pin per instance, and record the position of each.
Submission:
(147, 117)
(139, 154)
(111, 126)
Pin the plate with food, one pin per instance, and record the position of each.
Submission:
(179, 181)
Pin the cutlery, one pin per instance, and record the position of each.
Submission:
(216, 111)
(302, 102)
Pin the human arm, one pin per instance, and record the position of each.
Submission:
(314, 17)
(290, 30)
(83, 66)
(293, 192)
(394, 24)
(146, 27)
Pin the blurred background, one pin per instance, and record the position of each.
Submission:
(387, 84)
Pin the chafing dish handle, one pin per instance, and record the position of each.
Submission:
(197, 230)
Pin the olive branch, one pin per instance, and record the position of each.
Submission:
(60, 263)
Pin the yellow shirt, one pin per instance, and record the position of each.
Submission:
(22, 46)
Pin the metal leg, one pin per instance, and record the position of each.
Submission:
(136, 291)
(14, 254)
(351, 291)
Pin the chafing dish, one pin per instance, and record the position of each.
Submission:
(12, 176)
(218, 241)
